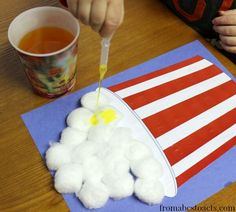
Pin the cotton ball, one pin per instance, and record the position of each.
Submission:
(57, 155)
(93, 195)
(100, 133)
(147, 168)
(122, 133)
(104, 150)
(137, 151)
(116, 163)
(68, 178)
(93, 169)
(119, 187)
(80, 118)
(72, 136)
(83, 151)
(89, 100)
(149, 191)
(121, 139)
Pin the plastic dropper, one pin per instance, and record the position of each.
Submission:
(105, 44)
(104, 57)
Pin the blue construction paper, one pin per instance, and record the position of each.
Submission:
(45, 124)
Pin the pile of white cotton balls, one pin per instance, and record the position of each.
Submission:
(95, 158)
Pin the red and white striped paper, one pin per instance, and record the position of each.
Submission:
(190, 108)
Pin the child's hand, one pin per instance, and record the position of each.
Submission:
(225, 25)
(104, 16)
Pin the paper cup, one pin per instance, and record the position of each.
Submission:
(51, 74)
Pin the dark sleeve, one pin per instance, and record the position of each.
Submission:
(199, 13)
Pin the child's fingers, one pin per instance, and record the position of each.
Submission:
(225, 25)
(228, 40)
(228, 48)
(225, 30)
(228, 12)
(84, 9)
(225, 20)
(98, 14)
(104, 16)
(114, 17)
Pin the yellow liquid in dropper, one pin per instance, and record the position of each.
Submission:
(102, 72)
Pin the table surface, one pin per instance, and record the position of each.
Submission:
(149, 30)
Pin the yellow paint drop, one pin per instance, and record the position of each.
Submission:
(94, 120)
(106, 116)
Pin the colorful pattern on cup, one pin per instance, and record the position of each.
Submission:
(51, 76)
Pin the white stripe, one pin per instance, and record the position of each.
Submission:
(187, 128)
(180, 96)
(197, 66)
(204, 151)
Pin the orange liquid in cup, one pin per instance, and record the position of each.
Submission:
(46, 40)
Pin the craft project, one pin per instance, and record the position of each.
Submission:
(145, 103)
(45, 124)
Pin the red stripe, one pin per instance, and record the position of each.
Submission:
(196, 14)
(170, 118)
(154, 74)
(194, 141)
(226, 4)
(145, 97)
(205, 162)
